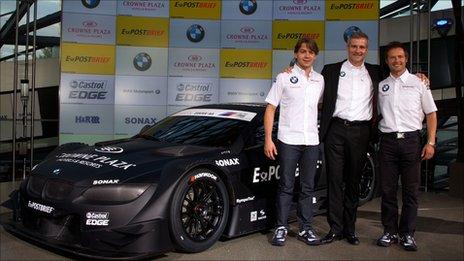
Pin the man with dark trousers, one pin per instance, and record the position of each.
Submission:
(297, 94)
(346, 126)
(403, 102)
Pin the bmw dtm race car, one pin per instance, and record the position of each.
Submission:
(182, 183)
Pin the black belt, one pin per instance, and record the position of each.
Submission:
(401, 135)
(350, 123)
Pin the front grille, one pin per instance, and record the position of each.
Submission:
(35, 185)
(56, 189)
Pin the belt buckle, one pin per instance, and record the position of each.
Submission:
(346, 123)
(400, 135)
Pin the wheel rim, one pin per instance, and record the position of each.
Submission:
(367, 179)
(202, 210)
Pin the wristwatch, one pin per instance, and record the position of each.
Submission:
(431, 144)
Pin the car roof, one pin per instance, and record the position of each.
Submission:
(251, 107)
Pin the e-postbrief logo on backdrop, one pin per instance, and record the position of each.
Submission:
(286, 33)
(195, 33)
(90, 3)
(142, 61)
(248, 7)
(196, 9)
(352, 10)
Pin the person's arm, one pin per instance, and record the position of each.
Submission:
(270, 149)
(429, 147)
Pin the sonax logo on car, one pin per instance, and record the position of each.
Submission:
(227, 162)
(105, 181)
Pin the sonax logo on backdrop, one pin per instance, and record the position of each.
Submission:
(195, 33)
(140, 120)
(248, 7)
(90, 3)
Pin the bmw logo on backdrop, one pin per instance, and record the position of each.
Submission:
(350, 31)
(90, 3)
(195, 33)
(248, 7)
(142, 61)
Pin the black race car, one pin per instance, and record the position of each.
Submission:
(180, 184)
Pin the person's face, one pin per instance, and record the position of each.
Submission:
(305, 57)
(396, 60)
(357, 50)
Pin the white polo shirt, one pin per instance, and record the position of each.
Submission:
(354, 95)
(298, 97)
(403, 102)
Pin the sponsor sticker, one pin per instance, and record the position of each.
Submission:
(97, 218)
(108, 149)
(269, 174)
(228, 162)
(93, 160)
(218, 113)
(40, 207)
(258, 215)
(385, 87)
(105, 181)
(204, 175)
(243, 200)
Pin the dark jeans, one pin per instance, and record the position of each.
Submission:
(306, 157)
(400, 157)
(345, 148)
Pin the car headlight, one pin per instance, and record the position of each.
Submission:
(114, 193)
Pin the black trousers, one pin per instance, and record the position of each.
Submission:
(306, 157)
(400, 157)
(345, 149)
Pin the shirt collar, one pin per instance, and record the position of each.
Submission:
(299, 70)
(351, 66)
(403, 77)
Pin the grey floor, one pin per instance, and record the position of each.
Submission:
(440, 236)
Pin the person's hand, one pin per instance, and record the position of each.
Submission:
(288, 69)
(270, 149)
(427, 152)
(423, 78)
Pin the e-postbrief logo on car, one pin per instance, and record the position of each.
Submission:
(195, 33)
(87, 90)
(248, 7)
(194, 92)
(90, 3)
(142, 61)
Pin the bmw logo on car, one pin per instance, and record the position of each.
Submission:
(350, 31)
(248, 7)
(90, 3)
(142, 61)
(195, 33)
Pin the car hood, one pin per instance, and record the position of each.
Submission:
(136, 160)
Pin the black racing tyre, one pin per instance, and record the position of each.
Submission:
(199, 211)
(369, 179)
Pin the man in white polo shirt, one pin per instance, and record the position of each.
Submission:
(297, 94)
(403, 102)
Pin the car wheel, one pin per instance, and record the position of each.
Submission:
(369, 180)
(199, 211)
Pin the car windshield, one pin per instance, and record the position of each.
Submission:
(197, 130)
